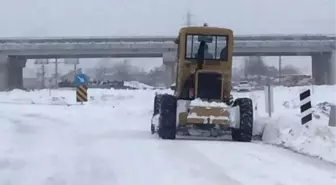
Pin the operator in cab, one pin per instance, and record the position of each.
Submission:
(207, 54)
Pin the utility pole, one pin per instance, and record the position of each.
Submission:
(43, 76)
(188, 23)
(246, 61)
(56, 73)
(280, 68)
(74, 62)
(75, 69)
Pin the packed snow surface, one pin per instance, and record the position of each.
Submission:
(46, 138)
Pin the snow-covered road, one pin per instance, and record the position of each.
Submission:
(108, 142)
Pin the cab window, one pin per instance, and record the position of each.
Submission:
(216, 46)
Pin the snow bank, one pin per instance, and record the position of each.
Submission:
(284, 127)
(68, 96)
(315, 139)
(52, 97)
(137, 85)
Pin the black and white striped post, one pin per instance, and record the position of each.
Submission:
(305, 106)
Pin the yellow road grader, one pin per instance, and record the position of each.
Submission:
(202, 100)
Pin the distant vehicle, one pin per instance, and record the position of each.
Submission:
(244, 86)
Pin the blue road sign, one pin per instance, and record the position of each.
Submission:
(81, 79)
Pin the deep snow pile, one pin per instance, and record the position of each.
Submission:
(68, 96)
(47, 97)
(284, 127)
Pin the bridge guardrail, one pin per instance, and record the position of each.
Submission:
(264, 37)
(113, 45)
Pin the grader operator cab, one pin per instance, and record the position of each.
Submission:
(202, 102)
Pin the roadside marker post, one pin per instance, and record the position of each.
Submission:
(305, 106)
(332, 116)
(269, 100)
(81, 88)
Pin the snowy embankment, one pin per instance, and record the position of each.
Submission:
(284, 127)
(137, 85)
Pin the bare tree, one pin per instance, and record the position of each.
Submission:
(101, 68)
(289, 70)
(254, 65)
(156, 76)
(125, 71)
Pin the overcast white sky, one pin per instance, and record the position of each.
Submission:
(43, 18)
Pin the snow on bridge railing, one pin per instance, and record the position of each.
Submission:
(158, 38)
(288, 37)
(114, 45)
(26, 46)
(86, 39)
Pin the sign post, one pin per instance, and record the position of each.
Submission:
(269, 98)
(81, 88)
(305, 106)
(332, 116)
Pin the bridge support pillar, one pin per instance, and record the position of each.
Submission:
(3, 73)
(170, 66)
(11, 72)
(333, 67)
(322, 68)
(169, 73)
(15, 69)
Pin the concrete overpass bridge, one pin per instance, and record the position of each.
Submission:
(15, 51)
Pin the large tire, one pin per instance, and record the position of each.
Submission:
(156, 110)
(157, 104)
(167, 119)
(152, 129)
(244, 133)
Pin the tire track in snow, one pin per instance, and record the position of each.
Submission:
(256, 163)
(200, 166)
(93, 169)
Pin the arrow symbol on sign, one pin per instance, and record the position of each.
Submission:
(81, 79)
